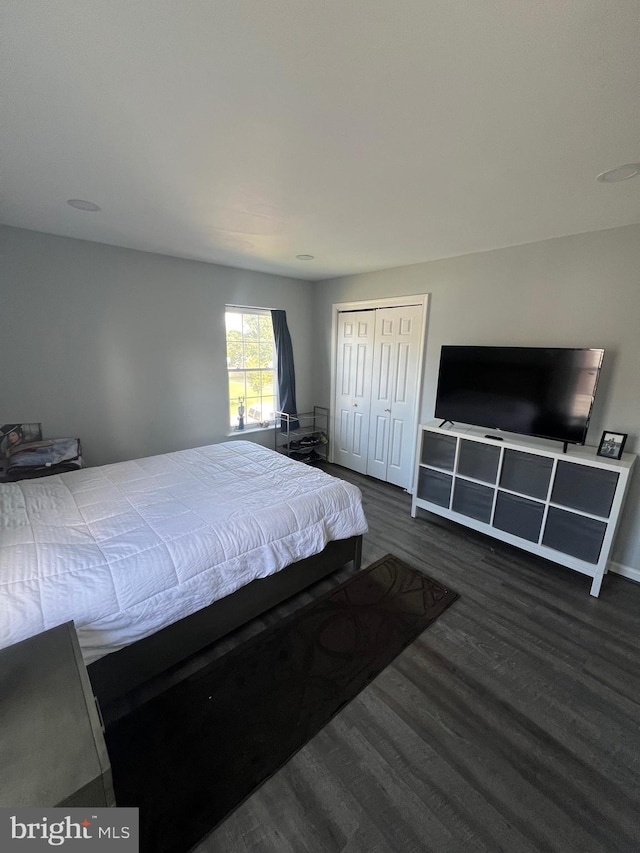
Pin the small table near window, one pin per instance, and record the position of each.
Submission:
(52, 749)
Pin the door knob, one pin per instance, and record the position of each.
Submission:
(387, 410)
(356, 405)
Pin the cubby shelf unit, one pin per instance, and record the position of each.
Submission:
(561, 506)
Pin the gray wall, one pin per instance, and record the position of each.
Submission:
(574, 291)
(126, 349)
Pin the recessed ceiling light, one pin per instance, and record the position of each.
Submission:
(81, 204)
(304, 257)
(620, 173)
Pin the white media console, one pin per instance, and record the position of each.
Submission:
(561, 506)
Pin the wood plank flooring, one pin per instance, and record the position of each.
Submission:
(510, 725)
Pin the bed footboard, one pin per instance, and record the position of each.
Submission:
(116, 674)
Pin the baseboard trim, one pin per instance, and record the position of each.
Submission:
(625, 571)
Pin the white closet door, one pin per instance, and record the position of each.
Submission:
(398, 337)
(356, 331)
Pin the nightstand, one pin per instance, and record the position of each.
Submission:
(52, 749)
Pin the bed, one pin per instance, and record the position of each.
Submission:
(155, 558)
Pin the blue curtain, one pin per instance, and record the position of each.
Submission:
(285, 371)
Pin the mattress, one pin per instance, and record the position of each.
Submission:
(126, 549)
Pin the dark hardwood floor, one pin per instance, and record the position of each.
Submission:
(512, 724)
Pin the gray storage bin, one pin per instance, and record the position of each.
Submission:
(438, 450)
(587, 489)
(526, 473)
(518, 516)
(435, 487)
(473, 500)
(479, 461)
(574, 534)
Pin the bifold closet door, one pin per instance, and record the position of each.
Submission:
(356, 331)
(397, 341)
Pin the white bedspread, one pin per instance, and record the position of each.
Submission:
(128, 548)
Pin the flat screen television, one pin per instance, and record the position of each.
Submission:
(546, 392)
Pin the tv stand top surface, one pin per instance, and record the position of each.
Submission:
(546, 447)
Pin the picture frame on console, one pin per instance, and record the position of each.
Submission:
(612, 444)
(12, 435)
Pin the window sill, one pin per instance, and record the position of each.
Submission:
(249, 430)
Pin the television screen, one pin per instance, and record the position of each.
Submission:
(536, 391)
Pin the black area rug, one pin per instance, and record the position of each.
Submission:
(188, 757)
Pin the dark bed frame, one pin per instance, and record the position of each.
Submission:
(118, 673)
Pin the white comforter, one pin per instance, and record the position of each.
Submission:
(126, 549)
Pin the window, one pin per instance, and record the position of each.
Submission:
(250, 364)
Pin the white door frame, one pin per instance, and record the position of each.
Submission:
(368, 304)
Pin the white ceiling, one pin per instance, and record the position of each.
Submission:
(368, 133)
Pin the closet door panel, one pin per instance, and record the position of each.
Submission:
(378, 444)
(356, 331)
(402, 329)
(383, 378)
